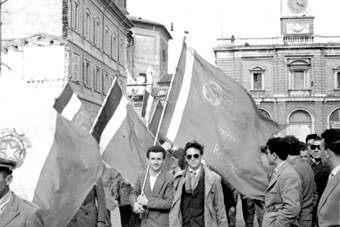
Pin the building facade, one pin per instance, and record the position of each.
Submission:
(150, 58)
(294, 78)
(52, 42)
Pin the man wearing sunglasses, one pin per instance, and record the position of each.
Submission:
(198, 199)
(329, 209)
(321, 170)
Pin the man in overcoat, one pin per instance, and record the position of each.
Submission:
(153, 192)
(329, 205)
(198, 199)
(283, 197)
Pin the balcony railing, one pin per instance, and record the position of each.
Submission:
(279, 40)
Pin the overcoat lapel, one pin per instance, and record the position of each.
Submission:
(10, 212)
(332, 182)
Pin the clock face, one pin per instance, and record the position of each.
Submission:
(297, 6)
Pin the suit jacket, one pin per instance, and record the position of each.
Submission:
(321, 173)
(20, 213)
(214, 210)
(329, 204)
(159, 199)
(92, 210)
(309, 194)
(283, 198)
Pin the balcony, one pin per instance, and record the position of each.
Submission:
(299, 92)
(279, 40)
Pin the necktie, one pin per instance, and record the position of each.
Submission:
(188, 182)
(193, 181)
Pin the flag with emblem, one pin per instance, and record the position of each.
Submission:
(208, 106)
(59, 163)
(122, 136)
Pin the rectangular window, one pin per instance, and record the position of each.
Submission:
(114, 49)
(97, 80)
(87, 31)
(121, 52)
(96, 32)
(337, 78)
(76, 14)
(87, 74)
(257, 81)
(76, 67)
(107, 41)
(298, 79)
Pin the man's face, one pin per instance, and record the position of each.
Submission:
(305, 156)
(316, 149)
(193, 158)
(156, 161)
(4, 183)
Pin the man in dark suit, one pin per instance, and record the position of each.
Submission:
(329, 209)
(283, 197)
(153, 196)
(321, 170)
(198, 199)
(308, 195)
(15, 211)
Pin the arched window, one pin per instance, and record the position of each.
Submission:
(334, 119)
(300, 124)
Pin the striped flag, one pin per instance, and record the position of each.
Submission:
(62, 164)
(69, 105)
(148, 101)
(122, 136)
(156, 114)
(208, 106)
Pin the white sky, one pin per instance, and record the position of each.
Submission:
(208, 20)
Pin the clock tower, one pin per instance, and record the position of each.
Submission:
(296, 20)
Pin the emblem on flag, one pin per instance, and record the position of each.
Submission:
(13, 147)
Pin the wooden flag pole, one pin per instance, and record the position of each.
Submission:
(158, 129)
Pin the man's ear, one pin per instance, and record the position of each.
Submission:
(9, 179)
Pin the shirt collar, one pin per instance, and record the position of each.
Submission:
(156, 175)
(195, 172)
(335, 170)
(277, 168)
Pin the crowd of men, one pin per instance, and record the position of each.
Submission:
(303, 190)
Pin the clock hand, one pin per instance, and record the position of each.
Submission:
(300, 4)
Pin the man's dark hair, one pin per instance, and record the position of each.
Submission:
(277, 146)
(5, 171)
(331, 139)
(195, 145)
(313, 136)
(156, 149)
(292, 145)
(303, 146)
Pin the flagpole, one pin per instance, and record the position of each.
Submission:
(161, 118)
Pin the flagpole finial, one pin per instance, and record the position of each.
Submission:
(185, 35)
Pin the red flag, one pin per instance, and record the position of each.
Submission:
(208, 106)
(63, 162)
(123, 137)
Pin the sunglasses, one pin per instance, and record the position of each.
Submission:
(195, 156)
(313, 147)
